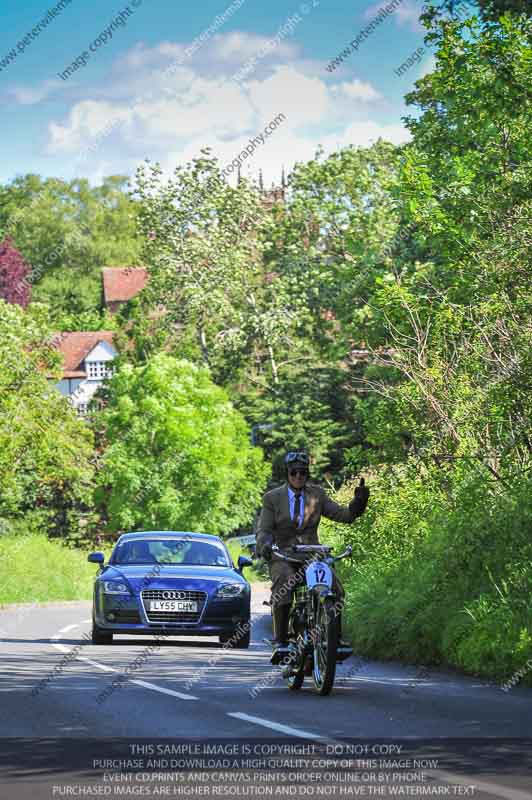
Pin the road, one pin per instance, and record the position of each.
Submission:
(192, 689)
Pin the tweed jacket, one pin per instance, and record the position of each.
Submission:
(275, 525)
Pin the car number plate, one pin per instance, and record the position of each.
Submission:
(173, 605)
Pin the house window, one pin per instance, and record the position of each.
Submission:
(82, 409)
(97, 369)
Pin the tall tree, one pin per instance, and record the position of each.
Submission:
(457, 323)
(203, 244)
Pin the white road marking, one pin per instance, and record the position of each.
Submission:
(152, 686)
(68, 628)
(276, 726)
(61, 647)
(490, 788)
(104, 667)
(161, 689)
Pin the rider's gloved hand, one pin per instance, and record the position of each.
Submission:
(266, 551)
(360, 500)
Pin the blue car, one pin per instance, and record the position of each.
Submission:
(171, 583)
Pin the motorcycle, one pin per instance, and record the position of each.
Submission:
(313, 627)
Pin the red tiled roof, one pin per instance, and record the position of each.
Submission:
(123, 283)
(75, 346)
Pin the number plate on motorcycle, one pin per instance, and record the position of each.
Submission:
(319, 574)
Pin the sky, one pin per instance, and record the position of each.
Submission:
(145, 86)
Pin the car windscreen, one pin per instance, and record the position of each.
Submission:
(170, 551)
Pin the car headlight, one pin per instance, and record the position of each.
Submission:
(115, 587)
(231, 590)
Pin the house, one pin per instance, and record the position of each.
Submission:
(121, 284)
(87, 357)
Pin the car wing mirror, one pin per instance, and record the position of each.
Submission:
(96, 558)
(243, 561)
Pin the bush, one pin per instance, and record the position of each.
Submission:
(442, 572)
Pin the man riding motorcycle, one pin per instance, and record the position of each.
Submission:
(291, 515)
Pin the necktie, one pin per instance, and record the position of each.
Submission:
(297, 509)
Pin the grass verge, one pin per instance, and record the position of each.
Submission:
(253, 574)
(36, 569)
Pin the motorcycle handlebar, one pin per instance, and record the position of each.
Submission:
(308, 548)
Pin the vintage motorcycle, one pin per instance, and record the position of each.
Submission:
(314, 619)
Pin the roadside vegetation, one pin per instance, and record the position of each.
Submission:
(257, 573)
(37, 569)
(404, 354)
(441, 573)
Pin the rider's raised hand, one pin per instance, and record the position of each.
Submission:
(360, 500)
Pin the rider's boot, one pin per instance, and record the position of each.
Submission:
(281, 615)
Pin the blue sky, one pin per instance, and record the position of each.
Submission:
(124, 105)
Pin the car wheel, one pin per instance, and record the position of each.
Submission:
(236, 640)
(101, 637)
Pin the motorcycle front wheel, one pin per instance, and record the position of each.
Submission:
(325, 638)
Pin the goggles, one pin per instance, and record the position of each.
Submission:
(297, 457)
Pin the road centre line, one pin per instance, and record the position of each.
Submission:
(61, 647)
(152, 686)
(493, 789)
(68, 628)
(276, 726)
(483, 786)
(161, 689)
(439, 775)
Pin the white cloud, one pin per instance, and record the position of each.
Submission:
(199, 107)
(304, 100)
(29, 96)
(236, 47)
(174, 116)
(356, 90)
(87, 120)
(366, 132)
(405, 14)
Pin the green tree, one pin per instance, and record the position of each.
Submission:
(176, 453)
(332, 241)
(67, 231)
(205, 251)
(45, 449)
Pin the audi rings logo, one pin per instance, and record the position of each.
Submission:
(174, 595)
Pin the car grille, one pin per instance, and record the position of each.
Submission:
(174, 616)
(123, 615)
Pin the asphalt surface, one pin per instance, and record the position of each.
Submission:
(51, 677)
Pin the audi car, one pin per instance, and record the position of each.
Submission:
(171, 583)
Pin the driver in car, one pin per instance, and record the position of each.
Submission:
(138, 553)
(290, 515)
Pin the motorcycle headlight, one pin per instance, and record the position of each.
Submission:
(228, 590)
(115, 587)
